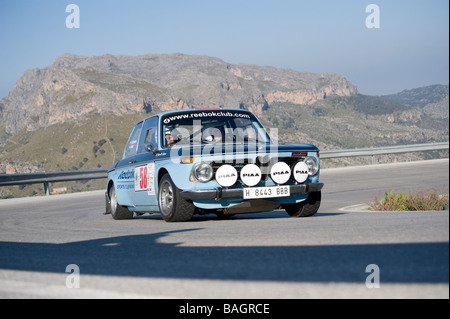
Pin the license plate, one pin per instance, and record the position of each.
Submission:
(267, 192)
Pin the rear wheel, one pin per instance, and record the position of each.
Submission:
(118, 212)
(172, 206)
(308, 207)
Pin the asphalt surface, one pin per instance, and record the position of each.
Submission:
(266, 255)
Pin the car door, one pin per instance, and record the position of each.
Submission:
(124, 172)
(144, 197)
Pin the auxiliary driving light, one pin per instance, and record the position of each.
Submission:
(280, 172)
(301, 172)
(226, 175)
(251, 175)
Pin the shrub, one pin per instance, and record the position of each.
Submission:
(101, 142)
(404, 202)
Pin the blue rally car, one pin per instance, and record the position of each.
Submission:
(223, 161)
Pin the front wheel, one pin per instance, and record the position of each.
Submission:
(308, 207)
(172, 206)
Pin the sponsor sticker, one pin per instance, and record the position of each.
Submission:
(151, 179)
(204, 114)
(144, 178)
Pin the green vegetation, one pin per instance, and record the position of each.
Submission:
(404, 202)
(420, 97)
(374, 105)
(330, 122)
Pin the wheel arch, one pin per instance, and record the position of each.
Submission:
(179, 173)
(161, 173)
(108, 188)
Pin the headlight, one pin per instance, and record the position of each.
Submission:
(313, 165)
(203, 172)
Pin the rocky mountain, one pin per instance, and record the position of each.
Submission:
(74, 87)
(430, 101)
(422, 97)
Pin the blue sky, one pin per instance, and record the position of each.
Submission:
(410, 49)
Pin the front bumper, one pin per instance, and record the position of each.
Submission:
(220, 192)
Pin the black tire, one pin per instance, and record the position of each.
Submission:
(107, 204)
(118, 212)
(307, 208)
(172, 206)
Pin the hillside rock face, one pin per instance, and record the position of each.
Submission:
(429, 101)
(74, 87)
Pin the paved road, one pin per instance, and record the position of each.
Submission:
(267, 255)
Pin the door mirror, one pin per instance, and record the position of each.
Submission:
(151, 148)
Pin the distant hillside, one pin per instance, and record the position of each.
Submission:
(430, 102)
(421, 97)
(78, 112)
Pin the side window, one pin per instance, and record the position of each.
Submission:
(149, 134)
(132, 144)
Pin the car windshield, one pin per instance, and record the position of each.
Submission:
(209, 127)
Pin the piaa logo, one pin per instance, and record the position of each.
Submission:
(281, 173)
